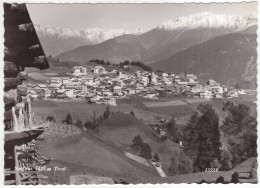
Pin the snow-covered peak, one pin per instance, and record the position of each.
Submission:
(210, 20)
(94, 35)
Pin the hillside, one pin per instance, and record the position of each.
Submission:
(113, 50)
(117, 132)
(229, 59)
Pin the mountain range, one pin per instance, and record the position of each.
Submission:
(56, 40)
(173, 45)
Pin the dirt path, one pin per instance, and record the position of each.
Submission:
(159, 170)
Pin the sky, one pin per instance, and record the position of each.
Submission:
(125, 16)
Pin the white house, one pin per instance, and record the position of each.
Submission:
(84, 89)
(232, 93)
(217, 89)
(99, 69)
(151, 96)
(65, 80)
(55, 81)
(182, 83)
(191, 76)
(32, 94)
(69, 93)
(117, 89)
(130, 91)
(211, 82)
(47, 93)
(206, 94)
(138, 74)
(218, 96)
(241, 91)
(76, 70)
(79, 70)
(164, 74)
(88, 81)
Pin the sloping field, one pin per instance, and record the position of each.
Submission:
(120, 130)
(78, 108)
(168, 103)
(84, 154)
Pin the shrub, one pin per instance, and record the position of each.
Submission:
(235, 178)
(78, 123)
(68, 119)
(50, 118)
(220, 180)
(137, 143)
(156, 158)
(107, 112)
(146, 151)
(88, 125)
(132, 113)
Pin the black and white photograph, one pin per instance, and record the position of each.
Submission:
(129, 93)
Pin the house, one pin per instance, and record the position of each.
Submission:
(232, 93)
(95, 98)
(241, 92)
(79, 70)
(99, 69)
(167, 82)
(106, 92)
(217, 89)
(177, 79)
(113, 71)
(88, 81)
(44, 93)
(55, 81)
(164, 74)
(69, 93)
(151, 96)
(62, 86)
(218, 96)
(84, 89)
(153, 78)
(206, 94)
(139, 89)
(60, 93)
(196, 89)
(117, 89)
(138, 74)
(65, 80)
(47, 93)
(130, 91)
(211, 82)
(191, 76)
(184, 83)
(32, 94)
